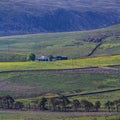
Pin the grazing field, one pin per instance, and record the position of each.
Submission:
(102, 97)
(66, 64)
(29, 81)
(17, 115)
(72, 44)
(35, 83)
(116, 67)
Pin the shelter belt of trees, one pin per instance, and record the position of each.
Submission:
(61, 103)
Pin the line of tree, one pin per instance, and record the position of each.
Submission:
(8, 102)
(61, 103)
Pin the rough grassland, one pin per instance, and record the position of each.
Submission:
(15, 115)
(35, 83)
(37, 78)
(67, 64)
(71, 44)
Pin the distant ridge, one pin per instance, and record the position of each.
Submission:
(40, 16)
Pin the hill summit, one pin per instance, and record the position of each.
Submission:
(36, 16)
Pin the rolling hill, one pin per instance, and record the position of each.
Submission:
(30, 79)
(35, 16)
(92, 71)
(100, 42)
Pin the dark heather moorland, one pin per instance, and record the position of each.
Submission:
(35, 16)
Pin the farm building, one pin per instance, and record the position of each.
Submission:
(43, 58)
(46, 58)
(61, 58)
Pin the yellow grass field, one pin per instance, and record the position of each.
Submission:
(66, 64)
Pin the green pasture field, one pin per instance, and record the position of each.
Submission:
(102, 97)
(66, 64)
(35, 83)
(71, 44)
(13, 56)
(56, 76)
(19, 115)
(27, 81)
(116, 67)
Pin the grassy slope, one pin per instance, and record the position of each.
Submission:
(9, 115)
(33, 82)
(67, 64)
(73, 44)
(36, 83)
